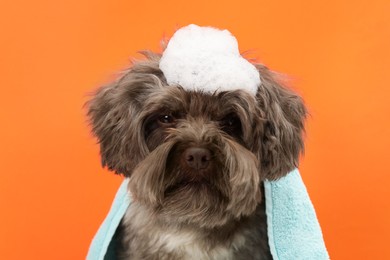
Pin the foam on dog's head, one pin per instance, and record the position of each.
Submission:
(208, 60)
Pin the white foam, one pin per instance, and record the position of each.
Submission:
(207, 59)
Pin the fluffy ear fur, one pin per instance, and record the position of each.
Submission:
(113, 111)
(281, 140)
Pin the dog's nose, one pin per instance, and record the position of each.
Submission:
(197, 157)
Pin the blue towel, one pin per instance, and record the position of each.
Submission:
(293, 229)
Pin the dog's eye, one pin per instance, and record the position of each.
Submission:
(231, 124)
(166, 119)
(230, 120)
(158, 121)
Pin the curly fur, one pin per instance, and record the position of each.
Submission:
(179, 212)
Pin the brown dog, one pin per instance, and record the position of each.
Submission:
(196, 161)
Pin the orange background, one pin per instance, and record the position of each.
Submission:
(53, 192)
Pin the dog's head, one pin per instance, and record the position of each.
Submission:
(194, 156)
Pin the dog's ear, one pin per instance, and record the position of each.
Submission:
(281, 137)
(113, 115)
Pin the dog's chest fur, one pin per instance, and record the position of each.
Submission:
(141, 236)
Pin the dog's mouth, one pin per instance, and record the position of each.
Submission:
(186, 184)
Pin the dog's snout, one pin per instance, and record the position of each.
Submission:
(197, 157)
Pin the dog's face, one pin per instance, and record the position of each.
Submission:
(196, 157)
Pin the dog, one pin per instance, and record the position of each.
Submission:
(196, 161)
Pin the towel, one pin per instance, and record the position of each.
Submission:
(101, 245)
(293, 229)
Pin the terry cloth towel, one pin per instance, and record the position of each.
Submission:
(293, 229)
